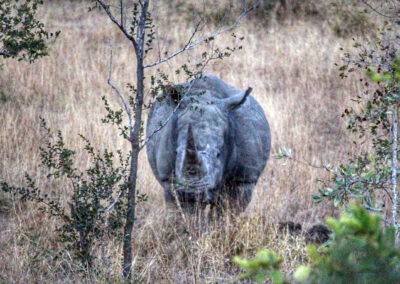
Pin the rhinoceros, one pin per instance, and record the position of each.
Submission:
(208, 143)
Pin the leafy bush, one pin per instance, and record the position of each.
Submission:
(98, 202)
(22, 36)
(372, 175)
(359, 251)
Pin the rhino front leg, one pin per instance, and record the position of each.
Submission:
(168, 196)
(243, 194)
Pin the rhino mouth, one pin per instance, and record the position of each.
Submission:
(192, 167)
(193, 178)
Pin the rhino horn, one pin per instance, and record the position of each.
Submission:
(186, 151)
(235, 101)
(181, 155)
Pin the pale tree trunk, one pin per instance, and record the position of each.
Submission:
(395, 123)
(135, 141)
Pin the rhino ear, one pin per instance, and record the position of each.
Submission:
(174, 92)
(235, 101)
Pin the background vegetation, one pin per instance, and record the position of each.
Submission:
(288, 57)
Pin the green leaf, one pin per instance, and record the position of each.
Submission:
(276, 277)
(369, 175)
(260, 278)
(372, 158)
(302, 273)
(337, 201)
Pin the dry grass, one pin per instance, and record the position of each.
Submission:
(291, 69)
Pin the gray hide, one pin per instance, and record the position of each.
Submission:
(213, 148)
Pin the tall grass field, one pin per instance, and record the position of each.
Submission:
(288, 58)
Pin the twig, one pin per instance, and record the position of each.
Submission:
(196, 29)
(395, 122)
(387, 193)
(377, 11)
(126, 106)
(4, 52)
(114, 202)
(121, 11)
(190, 45)
(306, 163)
(178, 203)
(119, 25)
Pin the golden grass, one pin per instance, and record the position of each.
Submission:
(291, 69)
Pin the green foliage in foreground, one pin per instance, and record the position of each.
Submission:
(359, 251)
(22, 36)
(265, 265)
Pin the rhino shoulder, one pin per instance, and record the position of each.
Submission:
(252, 139)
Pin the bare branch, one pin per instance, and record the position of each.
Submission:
(161, 60)
(121, 12)
(124, 103)
(114, 202)
(191, 45)
(120, 25)
(377, 11)
(395, 123)
(4, 53)
(178, 203)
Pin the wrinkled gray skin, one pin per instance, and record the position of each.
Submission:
(214, 147)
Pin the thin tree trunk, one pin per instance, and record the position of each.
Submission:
(130, 216)
(395, 123)
(135, 143)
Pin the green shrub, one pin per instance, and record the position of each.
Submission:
(22, 36)
(265, 265)
(359, 251)
(97, 206)
(372, 176)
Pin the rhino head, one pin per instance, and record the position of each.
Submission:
(205, 144)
